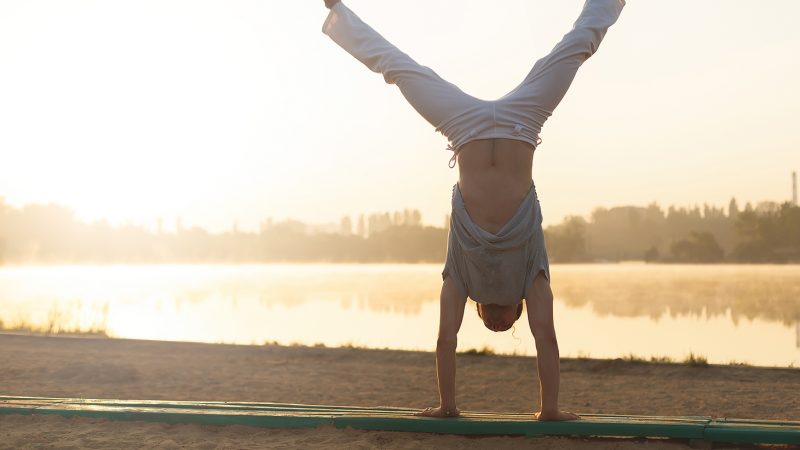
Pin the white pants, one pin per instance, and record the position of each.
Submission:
(461, 118)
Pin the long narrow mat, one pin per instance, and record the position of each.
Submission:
(283, 415)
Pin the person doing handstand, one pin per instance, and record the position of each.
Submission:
(495, 251)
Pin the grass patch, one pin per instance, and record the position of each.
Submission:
(53, 328)
(733, 362)
(474, 351)
(661, 359)
(695, 360)
(630, 357)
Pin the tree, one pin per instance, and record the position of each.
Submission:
(362, 229)
(733, 209)
(652, 254)
(699, 247)
(567, 242)
(772, 234)
(346, 226)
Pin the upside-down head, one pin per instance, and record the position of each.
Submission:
(499, 317)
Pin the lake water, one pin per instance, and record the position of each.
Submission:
(726, 313)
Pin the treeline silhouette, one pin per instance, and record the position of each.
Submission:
(50, 234)
(769, 232)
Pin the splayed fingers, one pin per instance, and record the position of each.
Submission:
(439, 412)
(556, 416)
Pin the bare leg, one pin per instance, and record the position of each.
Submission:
(539, 299)
(535, 99)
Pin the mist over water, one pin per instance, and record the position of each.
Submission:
(726, 313)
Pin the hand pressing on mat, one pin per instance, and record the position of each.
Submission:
(556, 416)
(439, 412)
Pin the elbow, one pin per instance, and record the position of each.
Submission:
(546, 340)
(544, 331)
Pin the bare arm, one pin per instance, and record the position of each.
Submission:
(451, 314)
(540, 317)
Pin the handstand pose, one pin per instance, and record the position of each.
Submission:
(495, 249)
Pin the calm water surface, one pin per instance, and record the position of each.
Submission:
(724, 312)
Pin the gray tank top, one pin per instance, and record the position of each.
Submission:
(496, 268)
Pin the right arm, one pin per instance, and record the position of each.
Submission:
(539, 300)
(451, 314)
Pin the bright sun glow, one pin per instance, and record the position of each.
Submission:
(218, 111)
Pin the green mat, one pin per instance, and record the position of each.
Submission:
(283, 415)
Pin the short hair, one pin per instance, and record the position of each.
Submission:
(519, 310)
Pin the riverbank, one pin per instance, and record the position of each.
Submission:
(131, 369)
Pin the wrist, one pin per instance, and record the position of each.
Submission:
(329, 3)
(448, 406)
(449, 410)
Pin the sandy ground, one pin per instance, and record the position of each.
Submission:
(129, 369)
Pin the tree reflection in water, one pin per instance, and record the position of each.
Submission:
(77, 293)
(769, 292)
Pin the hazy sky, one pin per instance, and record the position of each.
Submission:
(218, 111)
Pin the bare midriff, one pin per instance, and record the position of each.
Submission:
(494, 177)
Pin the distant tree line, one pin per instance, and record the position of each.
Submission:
(51, 234)
(769, 232)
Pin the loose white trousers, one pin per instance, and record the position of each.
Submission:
(461, 118)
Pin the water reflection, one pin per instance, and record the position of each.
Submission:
(746, 313)
(769, 292)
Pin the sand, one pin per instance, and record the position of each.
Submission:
(132, 369)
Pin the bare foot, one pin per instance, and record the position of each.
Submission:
(438, 412)
(556, 416)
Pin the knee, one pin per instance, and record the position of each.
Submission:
(400, 67)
